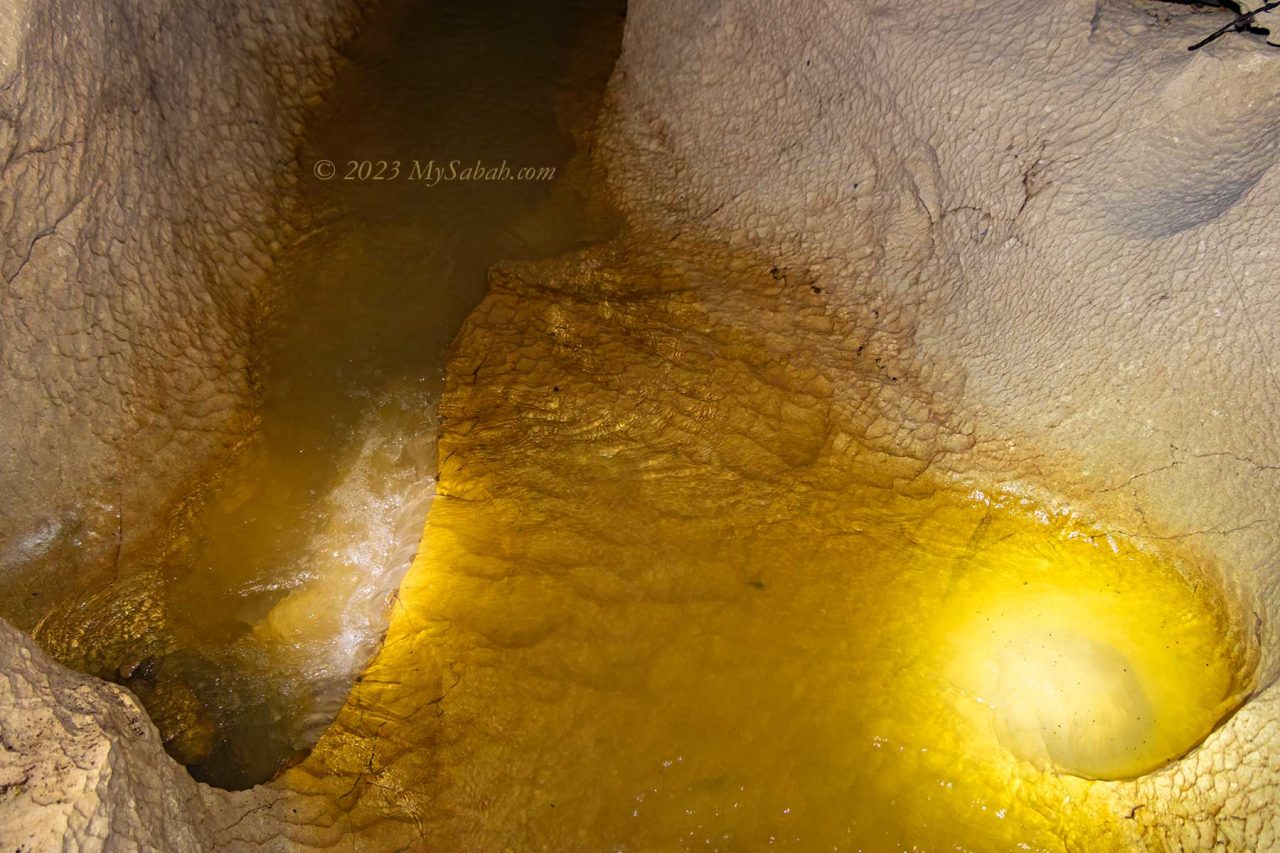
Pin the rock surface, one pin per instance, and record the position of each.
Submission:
(1050, 226)
(146, 153)
(81, 765)
(1066, 216)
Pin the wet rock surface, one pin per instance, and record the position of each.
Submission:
(968, 298)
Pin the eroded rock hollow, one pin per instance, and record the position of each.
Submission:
(883, 458)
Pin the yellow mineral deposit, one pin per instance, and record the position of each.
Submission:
(1102, 663)
(903, 672)
(629, 628)
(693, 578)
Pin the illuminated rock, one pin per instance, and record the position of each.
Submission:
(1066, 216)
(877, 252)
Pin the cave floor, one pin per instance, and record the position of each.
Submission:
(243, 631)
(671, 594)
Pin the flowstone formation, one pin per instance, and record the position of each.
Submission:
(893, 278)
(1071, 212)
(146, 164)
(82, 764)
(667, 568)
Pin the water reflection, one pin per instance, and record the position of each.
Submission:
(243, 636)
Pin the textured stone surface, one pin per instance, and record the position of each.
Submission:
(1040, 237)
(146, 161)
(146, 153)
(81, 766)
(1069, 214)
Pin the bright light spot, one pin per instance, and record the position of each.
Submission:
(1073, 676)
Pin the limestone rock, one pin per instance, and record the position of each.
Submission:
(1064, 215)
(81, 765)
(146, 157)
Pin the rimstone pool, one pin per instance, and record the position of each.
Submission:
(646, 636)
(556, 535)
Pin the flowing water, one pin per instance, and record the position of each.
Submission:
(245, 635)
(670, 596)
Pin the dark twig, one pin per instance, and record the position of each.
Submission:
(1243, 21)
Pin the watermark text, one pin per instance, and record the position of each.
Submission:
(430, 173)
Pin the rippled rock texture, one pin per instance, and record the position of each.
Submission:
(147, 154)
(904, 246)
(1066, 213)
(83, 766)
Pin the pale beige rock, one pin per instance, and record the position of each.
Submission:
(1062, 214)
(146, 158)
(1071, 216)
(146, 155)
(81, 766)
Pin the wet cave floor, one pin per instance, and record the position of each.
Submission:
(674, 593)
(687, 579)
(243, 634)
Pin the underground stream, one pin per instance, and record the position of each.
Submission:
(276, 579)
(633, 632)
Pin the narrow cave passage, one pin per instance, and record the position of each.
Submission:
(596, 497)
(242, 637)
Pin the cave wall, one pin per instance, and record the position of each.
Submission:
(82, 765)
(148, 165)
(148, 153)
(1061, 218)
(1085, 280)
